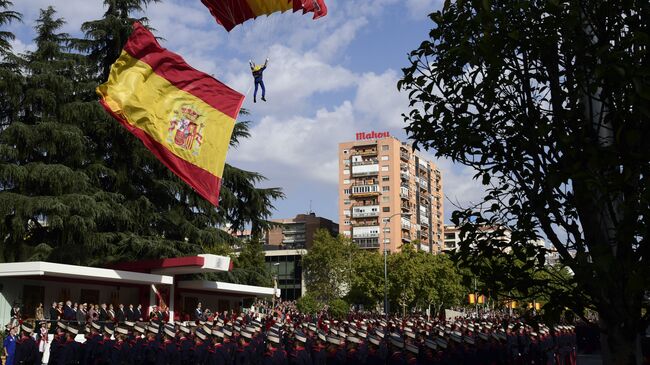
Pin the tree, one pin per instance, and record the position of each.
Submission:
(327, 266)
(548, 102)
(249, 267)
(367, 284)
(405, 275)
(441, 284)
(6, 17)
(76, 187)
(308, 304)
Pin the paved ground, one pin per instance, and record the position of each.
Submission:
(589, 360)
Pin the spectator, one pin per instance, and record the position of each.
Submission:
(198, 313)
(39, 312)
(111, 313)
(103, 313)
(69, 313)
(92, 313)
(130, 315)
(81, 315)
(120, 314)
(9, 345)
(137, 313)
(15, 312)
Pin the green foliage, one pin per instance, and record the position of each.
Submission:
(6, 17)
(328, 266)
(367, 286)
(548, 102)
(249, 267)
(75, 186)
(338, 308)
(308, 304)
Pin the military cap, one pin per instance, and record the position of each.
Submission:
(227, 331)
(169, 332)
(218, 333)
(441, 342)
(273, 338)
(153, 330)
(246, 334)
(409, 333)
(299, 336)
(138, 328)
(26, 328)
(184, 329)
(374, 340)
(396, 341)
(129, 323)
(96, 326)
(353, 339)
(430, 344)
(334, 340)
(61, 325)
(468, 340)
(322, 336)
(108, 329)
(411, 348)
(121, 330)
(200, 333)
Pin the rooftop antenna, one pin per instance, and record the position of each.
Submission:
(310, 211)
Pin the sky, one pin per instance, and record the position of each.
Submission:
(326, 80)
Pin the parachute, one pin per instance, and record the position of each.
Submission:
(230, 13)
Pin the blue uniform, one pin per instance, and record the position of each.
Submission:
(10, 345)
(171, 355)
(258, 76)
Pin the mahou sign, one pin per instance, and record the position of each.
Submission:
(372, 135)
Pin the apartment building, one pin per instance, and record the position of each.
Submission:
(389, 193)
(298, 232)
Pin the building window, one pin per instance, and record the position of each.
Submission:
(345, 152)
(385, 147)
(385, 178)
(346, 212)
(384, 220)
(347, 223)
(385, 209)
(346, 202)
(346, 191)
(346, 172)
(384, 168)
(384, 158)
(386, 240)
(385, 199)
(346, 181)
(385, 188)
(387, 230)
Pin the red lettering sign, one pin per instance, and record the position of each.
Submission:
(372, 135)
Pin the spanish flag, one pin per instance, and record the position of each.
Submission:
(184, 116)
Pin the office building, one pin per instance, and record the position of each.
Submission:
(381, 178)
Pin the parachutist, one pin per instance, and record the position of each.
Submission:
(258, 77)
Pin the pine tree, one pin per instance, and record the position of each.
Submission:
(10, 78)
(76, 187)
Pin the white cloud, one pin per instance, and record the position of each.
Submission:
(305, 147)
(75, 12)
(419, 8)
(378, 98)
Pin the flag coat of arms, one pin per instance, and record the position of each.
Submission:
(184, 116)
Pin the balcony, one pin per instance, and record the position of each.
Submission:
(406, 226)
(404, 175)
(364, 190)
(365, 152)
(424, 223)
(365, 170)
(404, 155)
(371, 161)
(365, 214)
(365, 235)
(367, 243)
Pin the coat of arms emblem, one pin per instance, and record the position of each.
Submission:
(185, 130)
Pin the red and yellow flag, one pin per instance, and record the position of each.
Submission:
(184, 116)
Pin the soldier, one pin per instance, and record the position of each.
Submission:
(71, 347)
(217, 353)
(201, 346)
(274, 355)
(171, 354)
(26, 350)
(299, 355)
(186, 346)
(242, 355)
(56, 347)
(318, 353)
(120, 351)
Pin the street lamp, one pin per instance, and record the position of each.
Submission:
(275, 282)
(385, 261)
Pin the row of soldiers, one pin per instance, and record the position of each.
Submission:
(269, 341)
